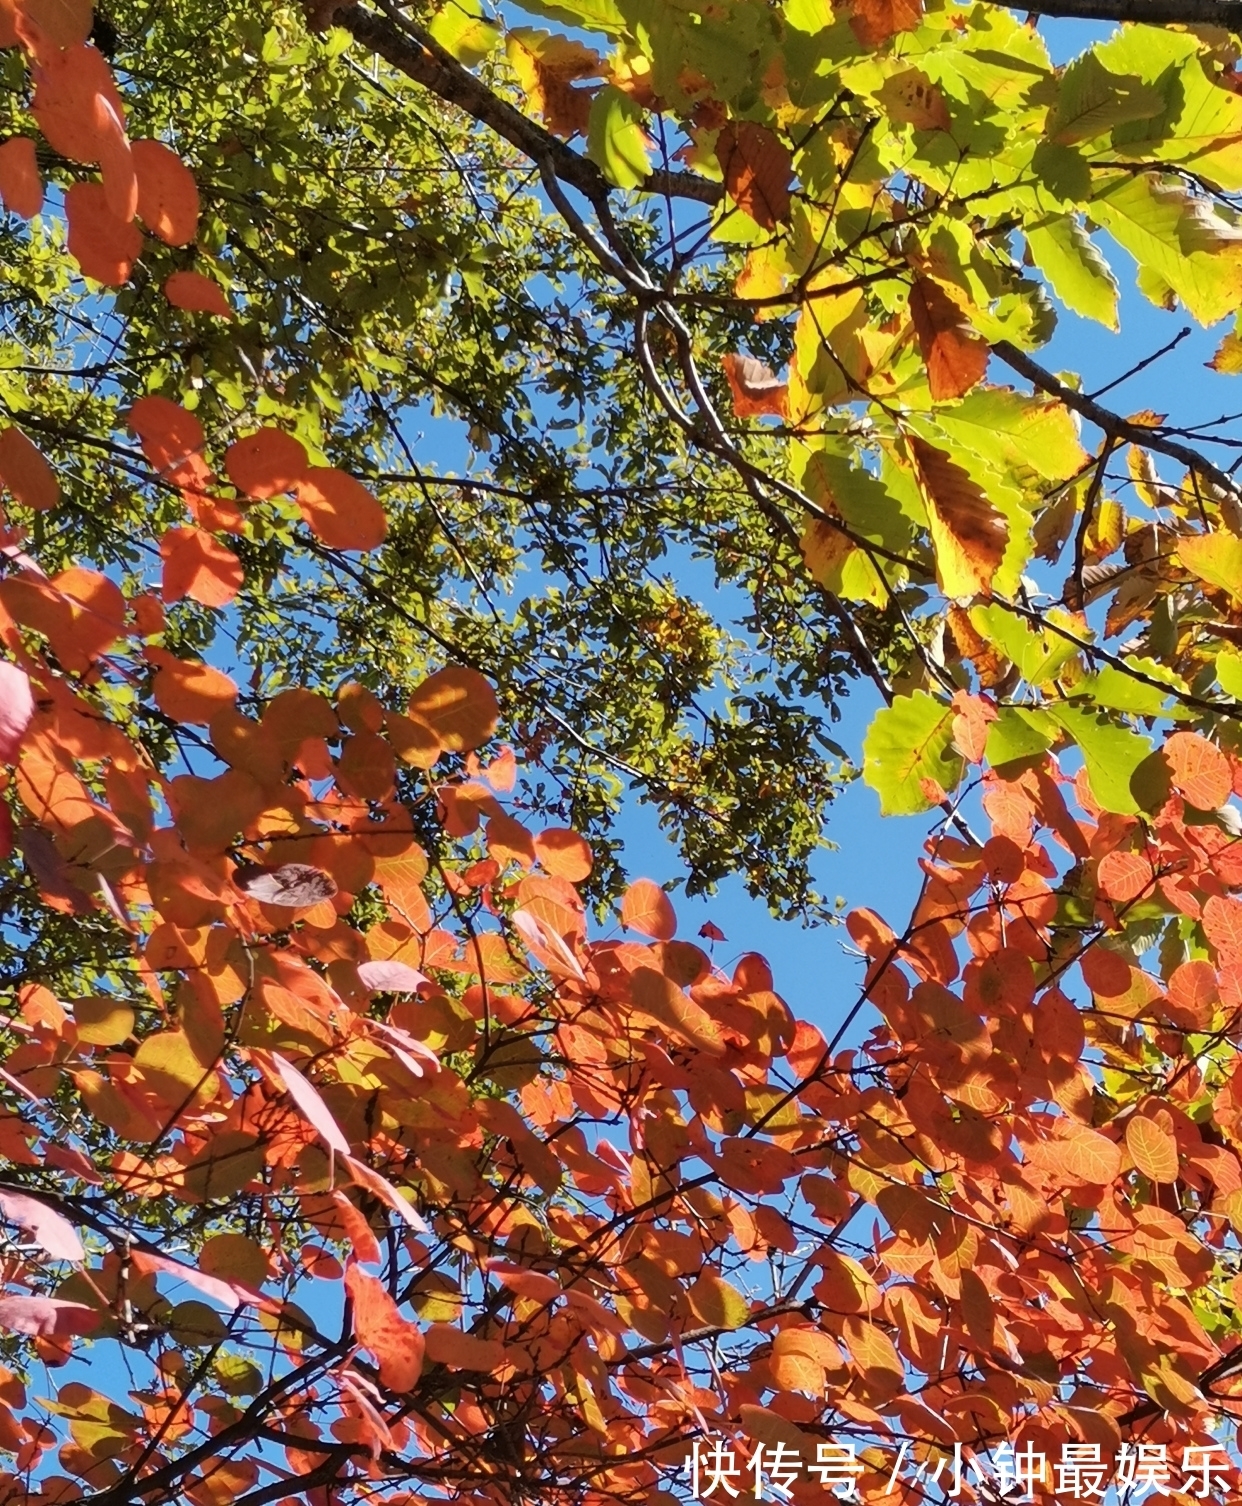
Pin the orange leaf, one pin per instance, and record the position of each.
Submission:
(449, 1346)
(757, 167)
(1106, 973)
(340, 510)
(105, 247)
(874, 21)
(956, 357)
(1222, 924)
(396, 1343)
(167, 193)
(1200, 770)
(911, 98)
(757, 393)
(77, 105)
(458, 705)
(1153, 1148)
(678, 1014)
(266, 463)
(197, 294)
(188, 691)
(26, 473)
(21, 186)
(970, 725)
(170, 435)
(968, 533)
(200, 567)
(60, 23)
(1089, 1157)
(563, 854)
(645, 907)
(1124, 875)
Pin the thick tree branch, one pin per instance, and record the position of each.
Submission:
(412, 51)
(1227, 13)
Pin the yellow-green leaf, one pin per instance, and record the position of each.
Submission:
(461, 30)
(615, 139)
(907, 743)
(1216, 558)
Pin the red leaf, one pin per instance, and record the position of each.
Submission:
(1200, 771)
(50, 1230)
(396, 1343)
(645, 907)
(757, 168)
(1106, 973)
(26, 473)
(16, 709)
(105, 247)
(46, 1317)
(197, 294)
(1222, 924)
(21, 186)
(200, 567)
(711, 932)
(266, 463)
(340, 510)
(757, 392)
(167, 193)
(310, 1104)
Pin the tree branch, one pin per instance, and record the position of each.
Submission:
(1227, 13)
(412, 51)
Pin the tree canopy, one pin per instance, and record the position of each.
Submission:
(423, 427)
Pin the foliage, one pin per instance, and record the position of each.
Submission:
(344, 1157)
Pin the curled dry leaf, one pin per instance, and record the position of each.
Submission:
(296, 886)
(757, 391)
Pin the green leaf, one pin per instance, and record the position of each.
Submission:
(1118, 691)
(1039, 655)
(1216, 558)
(907, 742)
(1229, 672)
(1111, 753)
(469, 36)
(1093, 101)
(1178, 238)
(1017, 433)
(615, 139)
(1019, 732)
(590, 15)
(1077, 273)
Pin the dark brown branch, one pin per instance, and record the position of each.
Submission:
(1151, 12)
(412, 51)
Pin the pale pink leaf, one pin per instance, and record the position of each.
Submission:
(383, 1189)
(546, 945)
(391, 977)
(419, 1059)
(230, 1294)
(16, 709)
(50, 1230)
(307, 1097)
(46, 1317)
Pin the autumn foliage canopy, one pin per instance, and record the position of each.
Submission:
(360, 1141)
